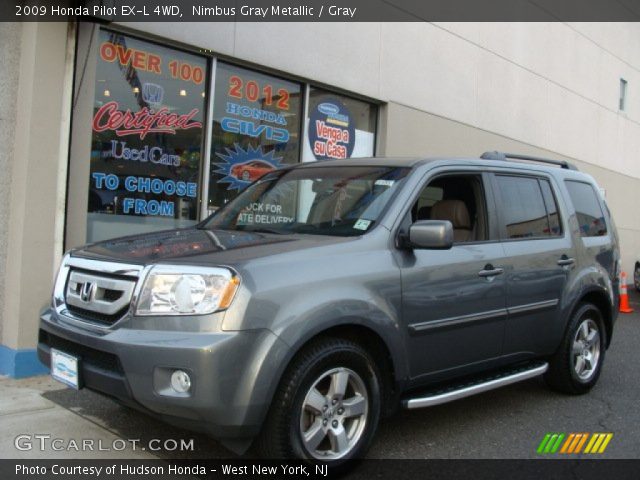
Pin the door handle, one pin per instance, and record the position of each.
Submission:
(489, 271)
(566, 261)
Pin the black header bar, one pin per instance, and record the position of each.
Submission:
(320, 10)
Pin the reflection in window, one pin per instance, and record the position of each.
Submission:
(256, 127)
(339, 127)
(588, 210)
(342, 201)
(146, 137)
(552, 208)
(523, 207)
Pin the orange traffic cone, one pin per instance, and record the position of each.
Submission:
(624, 297)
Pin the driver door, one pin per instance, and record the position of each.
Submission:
(454, 301)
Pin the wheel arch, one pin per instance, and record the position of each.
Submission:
(392, 369)
(601, 300)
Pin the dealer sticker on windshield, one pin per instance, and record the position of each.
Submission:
(362, 224)
(64, 368)
(385, 183)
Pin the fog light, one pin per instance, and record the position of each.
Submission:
(180, 381)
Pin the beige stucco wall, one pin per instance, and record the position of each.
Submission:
(9, 59)
(34, 184)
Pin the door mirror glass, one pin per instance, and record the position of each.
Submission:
(435, 234)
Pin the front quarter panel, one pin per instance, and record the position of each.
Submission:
(356, 283)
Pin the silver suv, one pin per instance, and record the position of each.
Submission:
(326, 295)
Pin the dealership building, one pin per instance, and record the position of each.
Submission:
(110, 129)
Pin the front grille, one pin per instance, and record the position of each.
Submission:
(96, 317)
(103, 360)
(97, 297)
(112, 295)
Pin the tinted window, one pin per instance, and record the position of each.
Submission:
(523, 207)
(552, 208)
(588, 210)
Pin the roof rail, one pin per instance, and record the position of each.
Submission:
(495, 155)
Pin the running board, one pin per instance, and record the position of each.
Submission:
(466, 390)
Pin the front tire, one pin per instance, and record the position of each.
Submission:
(636, 276)
(327, 406)
(576, 366)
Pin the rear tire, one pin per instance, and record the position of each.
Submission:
(327, 406)
(576, 366)
(636, 277)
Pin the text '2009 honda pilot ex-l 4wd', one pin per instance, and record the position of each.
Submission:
(325, 295)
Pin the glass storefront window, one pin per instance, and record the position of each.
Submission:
(146, 137)
(338, 127)
(256, 128)
(139, 123)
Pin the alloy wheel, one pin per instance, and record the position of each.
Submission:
(334, 414)
(585, 353)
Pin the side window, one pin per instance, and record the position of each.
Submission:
(588, 209)
(524, 207)
(552, 208)
(459, 199)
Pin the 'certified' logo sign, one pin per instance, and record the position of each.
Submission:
(143, 122)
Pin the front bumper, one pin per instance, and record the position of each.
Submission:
(232, 373)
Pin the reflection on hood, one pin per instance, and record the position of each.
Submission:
(179, 243)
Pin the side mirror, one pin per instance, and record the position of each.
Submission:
(434, 234)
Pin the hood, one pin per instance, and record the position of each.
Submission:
(201, 246)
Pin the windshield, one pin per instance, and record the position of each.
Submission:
(342, 201)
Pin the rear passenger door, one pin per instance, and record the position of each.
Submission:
(539, 259)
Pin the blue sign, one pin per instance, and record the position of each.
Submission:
(332, 132)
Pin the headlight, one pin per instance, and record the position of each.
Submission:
(184, 290)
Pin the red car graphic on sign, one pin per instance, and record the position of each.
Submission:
(251, 170)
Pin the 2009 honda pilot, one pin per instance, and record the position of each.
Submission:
(327, 294)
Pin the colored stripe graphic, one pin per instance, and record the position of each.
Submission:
(573, 443)
(556, 445)
(543, 443)
(550, 443)
(567, 443)
(581, 442)
(598, 442)
(604, 445)
(592, 440)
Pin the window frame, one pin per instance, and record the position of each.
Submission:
(404, 219)
(502, 227)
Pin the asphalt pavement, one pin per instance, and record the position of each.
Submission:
(506, 423)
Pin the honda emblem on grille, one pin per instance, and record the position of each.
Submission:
(86, 293)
